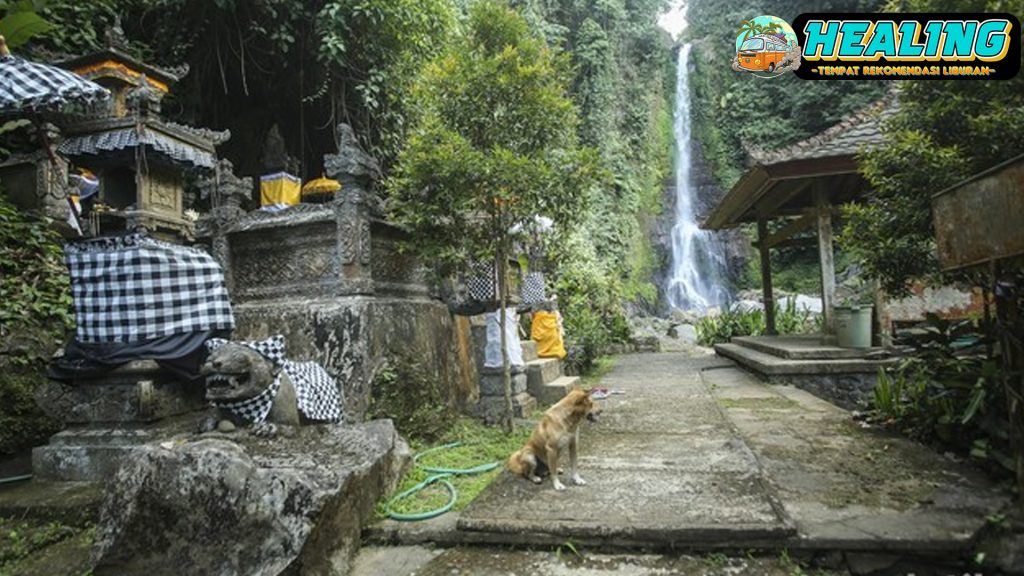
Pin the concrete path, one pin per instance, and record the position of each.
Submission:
(697, 453)
(663, 464)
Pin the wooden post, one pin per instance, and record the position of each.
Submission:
(825, 256)
(766, 277)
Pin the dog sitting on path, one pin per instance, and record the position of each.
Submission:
(557, 431)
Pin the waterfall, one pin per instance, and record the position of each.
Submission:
(695, 279)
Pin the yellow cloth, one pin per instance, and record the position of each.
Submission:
(546, 333)
(280, 188)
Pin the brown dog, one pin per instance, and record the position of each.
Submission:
(558, 430)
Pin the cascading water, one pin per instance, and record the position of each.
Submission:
(695, 279)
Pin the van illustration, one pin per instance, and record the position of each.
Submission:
(766, 46)
(763, 52)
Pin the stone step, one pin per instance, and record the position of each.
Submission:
(771, 365)
(543, 371)
(492, 408)
(529, 350)
(492, 383)
(554, 391)
(802, 347)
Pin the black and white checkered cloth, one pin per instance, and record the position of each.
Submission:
(532, 289)
(482, 281)
(30, 86)
(134, 288)
(318, 395)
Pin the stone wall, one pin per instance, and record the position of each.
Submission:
(334, 280)
(352, 337)
(849, 391)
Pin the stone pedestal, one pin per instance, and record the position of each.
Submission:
(236, 504)
(491, 405)
(109, 416)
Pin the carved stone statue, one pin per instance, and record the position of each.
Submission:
(351, 161)
(238, 376)
(253, 383)
(226, 192)
(275, 153)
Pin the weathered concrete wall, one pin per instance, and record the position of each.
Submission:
(352, 337)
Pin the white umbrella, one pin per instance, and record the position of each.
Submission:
(30, 87)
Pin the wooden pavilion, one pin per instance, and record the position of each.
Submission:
(803, 184)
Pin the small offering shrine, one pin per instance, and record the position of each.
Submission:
(140, 159)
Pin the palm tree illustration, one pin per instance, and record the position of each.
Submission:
(748, 28)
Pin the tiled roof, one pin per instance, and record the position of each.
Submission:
(852, 135)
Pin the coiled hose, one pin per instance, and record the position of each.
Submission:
(438, 475)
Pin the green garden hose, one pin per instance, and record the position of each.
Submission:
(13, 479)
(439, 475)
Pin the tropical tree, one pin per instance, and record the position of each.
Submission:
(494, 145)
(748, 28)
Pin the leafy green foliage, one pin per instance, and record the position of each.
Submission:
(589, 301)
(735, 112)
(713, 330)
(948, 390)
(495, 143)
(36, 308)
(20, 538)
(623, 81)
(35, 312)
(21, 23)
(942, 133)
(419, 404)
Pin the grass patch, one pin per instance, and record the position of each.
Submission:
(20, 539)
(602, 366)
(482, 444)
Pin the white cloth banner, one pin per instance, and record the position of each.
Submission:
(492, 352)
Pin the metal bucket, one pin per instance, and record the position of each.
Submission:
(853, 326)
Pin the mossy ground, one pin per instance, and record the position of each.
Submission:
(38, 547)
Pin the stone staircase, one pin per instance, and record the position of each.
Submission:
(544, 378)
(845, 376)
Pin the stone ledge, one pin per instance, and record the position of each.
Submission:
(210, 505)
(770, 365)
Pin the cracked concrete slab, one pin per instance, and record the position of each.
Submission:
(699, 455)
(849, 487)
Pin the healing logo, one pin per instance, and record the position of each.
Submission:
(766, 46)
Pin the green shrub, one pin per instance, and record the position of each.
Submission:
(590, 300)
(948, 390)
(789, 319)
(712, 330)
(405, 391)
(35, 313)
(35, 310)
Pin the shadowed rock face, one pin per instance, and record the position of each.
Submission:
(248, 507)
